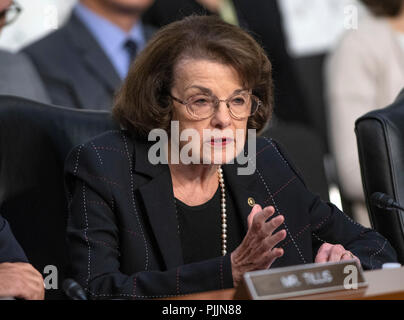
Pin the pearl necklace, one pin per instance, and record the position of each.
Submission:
(223, 211)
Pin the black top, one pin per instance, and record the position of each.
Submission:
(200, 228)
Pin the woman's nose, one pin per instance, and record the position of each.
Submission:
(222, 117)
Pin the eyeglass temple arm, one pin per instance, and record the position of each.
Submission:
(178, 100)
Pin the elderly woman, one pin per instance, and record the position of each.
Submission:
(144, 230)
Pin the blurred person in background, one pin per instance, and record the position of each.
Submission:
(83, 63)
(263, 20)
(18, 76)
(365, 72)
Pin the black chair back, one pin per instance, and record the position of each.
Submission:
(380, 137)
(34, 141)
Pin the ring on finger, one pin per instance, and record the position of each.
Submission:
(348, 253)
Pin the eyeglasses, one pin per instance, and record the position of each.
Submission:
(241, 105)
(10, 14)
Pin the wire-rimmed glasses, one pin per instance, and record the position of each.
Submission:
(242, 104)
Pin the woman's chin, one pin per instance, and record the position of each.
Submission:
(219, 154)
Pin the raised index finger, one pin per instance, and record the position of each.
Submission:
(257, 208)
(261, 217)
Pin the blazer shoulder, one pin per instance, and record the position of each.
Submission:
(89, 151)
(268, 147)
(54, 55)
(272, 155)
(55, 41)
(57, 52)
(113, 137)
(10, 61)
(149, 31)
(21, 77)
(7, 57)
(269, 150)
(117, 138)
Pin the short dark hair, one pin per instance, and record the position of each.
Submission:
(143, 103)
(384, 8)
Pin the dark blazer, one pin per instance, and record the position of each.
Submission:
(122, 229)
(74, 68)
(10, 250)
(263, 20)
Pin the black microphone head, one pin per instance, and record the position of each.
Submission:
(73, 290)
(381, 200)
(68, 283)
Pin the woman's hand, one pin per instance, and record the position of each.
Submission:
(256, 251)
(334, 253)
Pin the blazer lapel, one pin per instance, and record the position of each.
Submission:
(92, 53)
(159, 203)
(244, 191)
(158, 199)
(100, 65)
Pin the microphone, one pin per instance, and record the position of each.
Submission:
(73, 290)
(383, 201)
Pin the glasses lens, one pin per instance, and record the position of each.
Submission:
(11, 14)
(244, 105)
(201, 106)
(240, 105)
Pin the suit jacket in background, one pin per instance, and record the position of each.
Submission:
(74, 68)
(123, 232)
(10, 250)
(18, 77)
(262, 18)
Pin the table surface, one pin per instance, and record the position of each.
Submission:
(385, 284)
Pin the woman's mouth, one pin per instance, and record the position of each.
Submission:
(220, 141)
